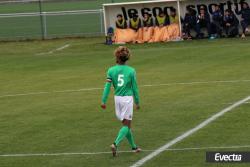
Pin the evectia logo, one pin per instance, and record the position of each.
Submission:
(227, 158)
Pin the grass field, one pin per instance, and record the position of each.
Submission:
(41, 113)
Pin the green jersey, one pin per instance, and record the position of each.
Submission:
(123, 78)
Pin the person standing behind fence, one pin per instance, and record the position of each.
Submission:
(217, 21)
(245, 14)
(121, 22)
(231, 24)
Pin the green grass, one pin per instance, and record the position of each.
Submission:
(74, 122)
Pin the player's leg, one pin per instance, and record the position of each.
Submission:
(127, 122)
(120, 109)
(131, 139)
(122, 132)
(121, 135)
(124, 112)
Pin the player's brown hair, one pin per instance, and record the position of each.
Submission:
(122, 54)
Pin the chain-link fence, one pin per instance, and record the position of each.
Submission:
(51, 24)
(38, 19)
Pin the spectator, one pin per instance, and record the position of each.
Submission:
(121, 22)
(173, 18)
(203, 21)
(231, 24)
(189, 23)
(162, 20)
(217, 21)
(147, 20)
(245, 14)
(135, 23)
(148, 29)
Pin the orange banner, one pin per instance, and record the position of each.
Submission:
(147, 34)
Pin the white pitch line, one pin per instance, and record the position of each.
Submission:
(189, 132)
(152, 85)
(53, 51)
(197, 83)
(63, 47)
(108, 152)
(59, 91)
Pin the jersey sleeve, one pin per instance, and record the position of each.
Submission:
(107, 87)
(109, 77)
(135, 88)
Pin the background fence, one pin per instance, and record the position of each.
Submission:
(34, 19)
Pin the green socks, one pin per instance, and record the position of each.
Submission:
(131, 139)
(125, 132)
(122, 133)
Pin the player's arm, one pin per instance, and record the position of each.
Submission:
(135, 90)
(106, 90)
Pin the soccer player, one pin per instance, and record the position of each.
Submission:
(123, 78)
(135, 23)
(121, 22)
(147, 20)
(203, 20)
(231, 24)
(190, 22)
(162, 20)
(173, 18)
(217, 21)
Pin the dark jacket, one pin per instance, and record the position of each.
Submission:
(148, 23)
(190, 19)
(121, 25)
(205, 19)
(166, 22)
(231, 19)
(217, 16)
(135, 28)
(245, 13)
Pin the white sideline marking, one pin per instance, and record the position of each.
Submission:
(52, 51)
(153, 85)
(97, 153)
(191, 47)
(59, 91)
(198, 82)
(189, 132)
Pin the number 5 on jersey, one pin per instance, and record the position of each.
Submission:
(120, 80)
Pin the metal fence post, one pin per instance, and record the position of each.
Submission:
(41, 19)
(101, 17)
(45, 25)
